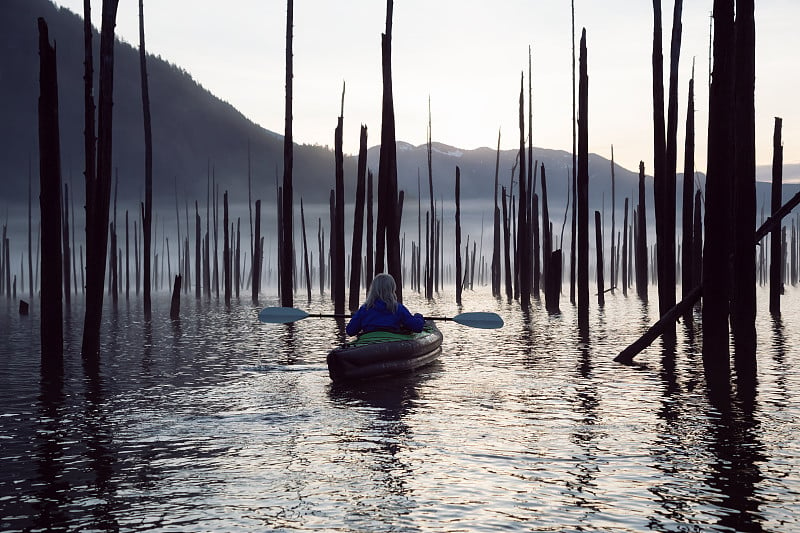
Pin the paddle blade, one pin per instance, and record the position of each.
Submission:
(480, 320)
(281, 315)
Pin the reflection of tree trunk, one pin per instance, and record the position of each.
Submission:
(50, 206)
(775, 242)
(99, 190)
(583, 190)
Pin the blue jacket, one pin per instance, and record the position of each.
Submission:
(379, 318)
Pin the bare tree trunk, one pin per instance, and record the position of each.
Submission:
(51, 324)
(358, 224)
(775, 282)
(226, 250)
(147, 215)
(641, 239)
(496, 247)
(256, 285)
(625, 251)
(716, 266)
(523, 235)
(338, 229)
(175, 303)
(687, 258)
(458, 235)
(305, 250)
(65, 245)
(583, 190)
(507, 252)
(743, 293)
(572, 263)
(370, 232)
(99, 191)
(287, 250)
(598, 233)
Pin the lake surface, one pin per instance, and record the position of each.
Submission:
(218, 422)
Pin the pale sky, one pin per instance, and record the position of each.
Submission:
(467, 56)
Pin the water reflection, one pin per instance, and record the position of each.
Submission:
(51, 487)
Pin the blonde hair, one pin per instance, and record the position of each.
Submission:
(382, 288)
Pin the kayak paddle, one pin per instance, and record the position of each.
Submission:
(285, 315)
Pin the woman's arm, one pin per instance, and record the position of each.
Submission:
(413, 322)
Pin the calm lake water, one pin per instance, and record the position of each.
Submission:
(218, 422)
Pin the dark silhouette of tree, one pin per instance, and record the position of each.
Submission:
(775, 277)
(358, 223)
(743, 293)
(458, 236)
(687, 251)
(572, 258)
(337, 267)
(287, 248)
(716, 262)
(523, 235)
(51, 324)
(98, 188)
(598, 234)
(496, 247)
(305, 251)
(147, 214)
(583, 189)
(641, 239)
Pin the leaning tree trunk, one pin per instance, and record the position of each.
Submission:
(743, 293)
(99, 188)
(287, 250)
(716, 266)
(305, 250)
(51, 324)
(583, 190)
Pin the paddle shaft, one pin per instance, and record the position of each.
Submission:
(323, 315)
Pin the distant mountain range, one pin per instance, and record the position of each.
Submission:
(196, 133)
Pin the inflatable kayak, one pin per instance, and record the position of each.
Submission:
(382, 354)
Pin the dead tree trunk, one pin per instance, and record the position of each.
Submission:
(775, 281)
(716, 262)
(572, 257)
(65, 245)
(358, 224)
(226, 250)
(338, 229)
(625, 251)
(305, 250)
(256, 285)
(743, 290)
(287, 250)
(370, 233)
(583, 190)
(51, 323)
(175, 302)
(641, 239)
(99, 191)
(496, 247)
(458, 236)
(147, 215)
(598, 233)
(523, 235)
(507, 252)
(687, 257)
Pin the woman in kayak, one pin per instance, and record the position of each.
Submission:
(382, 312)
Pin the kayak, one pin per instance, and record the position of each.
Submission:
(382, 353)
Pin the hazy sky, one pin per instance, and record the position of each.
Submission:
(467, 56)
